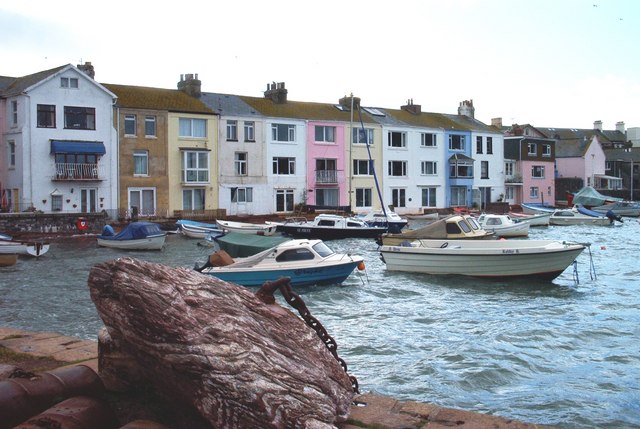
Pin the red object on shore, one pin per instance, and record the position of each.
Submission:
(82, 224)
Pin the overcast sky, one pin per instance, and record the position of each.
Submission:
(550, 63)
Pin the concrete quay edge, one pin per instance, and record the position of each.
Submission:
(368, 411)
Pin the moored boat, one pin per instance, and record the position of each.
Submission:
(247, 228)
(23, 248)
(305, 262)
(241, 245)
(135, 236)
(620, 208)
(541, 259)
(453, 227)
(385, 219)
(539, 219)
(532, 208)
(573, 217)
(200, 230)
(503, 226)
(331, 227)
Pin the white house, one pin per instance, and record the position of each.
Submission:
(59, 142)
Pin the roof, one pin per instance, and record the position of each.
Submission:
(571, 148)
(141, 97)
(228, 104)
(424, 119)
(15, 85)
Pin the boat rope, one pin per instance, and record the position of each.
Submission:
(265, 294)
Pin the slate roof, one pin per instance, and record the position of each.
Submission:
(571, 148)
(141, 97)
(423, 119)
(15, 85)
(624, 154)
(228, 104)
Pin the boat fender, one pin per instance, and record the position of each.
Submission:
(361, 266)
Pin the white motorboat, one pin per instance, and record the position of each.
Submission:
(305, 262)
(503, 226)
(574, 217)
(327, 226)
(200, 230)
(620, 208)
(247, 228)
(386, 219)
(541, 259)
(453, 227)
(531, 208)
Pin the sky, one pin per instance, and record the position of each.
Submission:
(549, 63)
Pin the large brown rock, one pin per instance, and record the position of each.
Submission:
(215, 346)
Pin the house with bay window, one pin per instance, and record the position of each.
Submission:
(59, 144)
(143, 124)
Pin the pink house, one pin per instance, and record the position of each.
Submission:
(326, 178)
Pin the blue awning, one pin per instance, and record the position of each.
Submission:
(65, 146)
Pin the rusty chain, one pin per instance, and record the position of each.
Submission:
(265, 294)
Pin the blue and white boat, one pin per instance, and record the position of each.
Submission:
(135, 236)
(387, 219)
(201, 230)
(305, 262)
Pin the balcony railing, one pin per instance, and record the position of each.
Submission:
(327, 177)
(74, 171)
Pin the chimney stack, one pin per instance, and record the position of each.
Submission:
(597, 125)
(276, 92)
(496, 122)
(190, 85)
(88, 69)
(466, 109)
(414, 109)
(620, 127)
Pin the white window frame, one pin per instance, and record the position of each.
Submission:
(249, 131)
(290, 165)
(392, 136)
(69, 82)
(532, 149)
(11, 156)
(130, 121)
(242, 195)
(429, 168)
(365, 196)
(360, 136)
(393, 165)
(143, 211)
(201, 171)
(141, 157)
(362, 167)
(278, 131)
(232, 130)
(546, 150)
(192, 197)
(285, 199)
(534, 192)
(399, 197)
(150, 128)
(192, 128)
(457, 142)
(428, 140)
(241, 163)
(325, 134)
(14, 112)
(427, 194)
(537, 171)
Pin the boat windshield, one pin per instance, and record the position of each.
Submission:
(473, 223)
(322, 249)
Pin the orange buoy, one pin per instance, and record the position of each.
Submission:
(361, 265)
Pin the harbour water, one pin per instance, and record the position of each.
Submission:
(565, 353)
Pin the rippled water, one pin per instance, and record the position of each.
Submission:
(558, 353)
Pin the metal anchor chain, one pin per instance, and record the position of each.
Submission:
(265, 294)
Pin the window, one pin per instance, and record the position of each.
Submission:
(79, 118)
(509, 193)
(46, 116)
(327, 197)
(533, 192)
(362, 135)
(56, 203)
(143, 199)
(546, 150)
(398, 197)
(484, 169)
(325, 134)
(284, 200)
(509, 168)
(283, 132)
(456, 142)
(150, 126)
(284, 166)
(460, 168)
(241, 163)
(232, 131)
(249, 131)
(398, 168)
(326, 170)
(479, 144)
(241, 195)
(458, 196)
(489, 145)
(68, 82)
(532, 149)
(195, 167)
(195, 128)
(140, 163)
(363, 197)
(11, 153)
(427, 140)
(608, 165)
(193, 199)
(537, 171)
(14, 112)
(428, 197)
(362, 167)
(129, 125)
(428, 168)
(397, 139)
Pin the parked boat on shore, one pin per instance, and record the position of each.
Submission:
(247, 228)
(199, 230)
(540, 259)
(135, 236)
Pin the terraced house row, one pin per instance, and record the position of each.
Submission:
(71, 144)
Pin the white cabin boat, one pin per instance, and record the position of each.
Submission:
(247, 228)
(503, 225)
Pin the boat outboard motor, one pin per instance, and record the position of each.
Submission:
(612, 216)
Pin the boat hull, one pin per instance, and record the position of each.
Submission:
(23, 248)
(149, 243)
(540, 259)
(330, 233)
(247, 228)
(313, 275)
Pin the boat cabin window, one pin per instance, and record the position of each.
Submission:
(494, 221)
(355, 224)
(326, 222)
(464, 226)
(473, 223)
(322, 249)
(294, 255)
(453, 228)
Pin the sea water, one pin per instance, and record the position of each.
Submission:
(565, 353)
